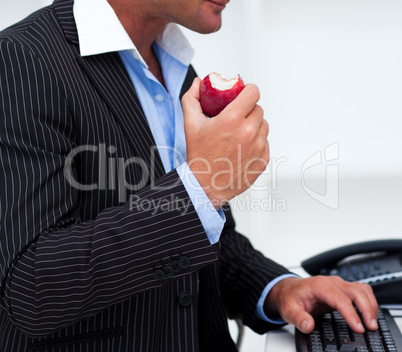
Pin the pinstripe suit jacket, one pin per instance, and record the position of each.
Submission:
(84, 266)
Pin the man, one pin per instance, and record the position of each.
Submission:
(113, 232)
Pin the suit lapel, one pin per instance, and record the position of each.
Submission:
(188, 81)
(111, 80)
(109, 76)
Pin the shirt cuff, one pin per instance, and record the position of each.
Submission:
(211, 219)
(260, 305)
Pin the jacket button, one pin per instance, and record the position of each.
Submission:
(169, 272)
(175, 266)
(185, 298)
(159, 275)
(184, 262)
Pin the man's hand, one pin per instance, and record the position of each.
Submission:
(228, 152)
(297, 300)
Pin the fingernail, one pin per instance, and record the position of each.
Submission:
(374, 324)
(304, 326)
(359, 326)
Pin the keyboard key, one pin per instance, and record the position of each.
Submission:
(348, 348)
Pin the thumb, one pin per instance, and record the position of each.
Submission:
(191, 100)
(303, 322)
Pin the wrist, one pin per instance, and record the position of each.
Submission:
(218, 193)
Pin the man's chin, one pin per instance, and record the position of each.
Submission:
(211, 25)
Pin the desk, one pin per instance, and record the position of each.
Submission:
(282, 340)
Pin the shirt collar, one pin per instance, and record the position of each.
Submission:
(103, 33)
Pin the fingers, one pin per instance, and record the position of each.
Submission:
(345, 296)
(298, 300)
(244, 104)
(362, 296)
(190, 100)
(347, 310)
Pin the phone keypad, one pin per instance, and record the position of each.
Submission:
(372, 270)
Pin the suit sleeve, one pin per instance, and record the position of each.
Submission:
(244, 273)
(54, 268)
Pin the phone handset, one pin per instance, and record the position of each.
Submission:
(330, 258)
(378, 263)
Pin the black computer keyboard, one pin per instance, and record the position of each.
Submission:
(331, 334)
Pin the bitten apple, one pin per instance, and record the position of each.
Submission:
(217, 92)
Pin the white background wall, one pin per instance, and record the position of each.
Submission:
(330, 75)
(14, 10)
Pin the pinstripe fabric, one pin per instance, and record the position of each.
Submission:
(78, 266)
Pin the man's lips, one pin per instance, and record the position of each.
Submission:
(219, 4)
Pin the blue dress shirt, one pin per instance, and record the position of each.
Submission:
(164, 114)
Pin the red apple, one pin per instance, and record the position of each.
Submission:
(217, 92)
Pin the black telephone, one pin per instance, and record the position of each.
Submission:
(378, 263)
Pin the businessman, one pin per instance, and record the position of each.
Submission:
(114, 231)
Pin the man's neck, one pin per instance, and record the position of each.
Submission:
(142, 30)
